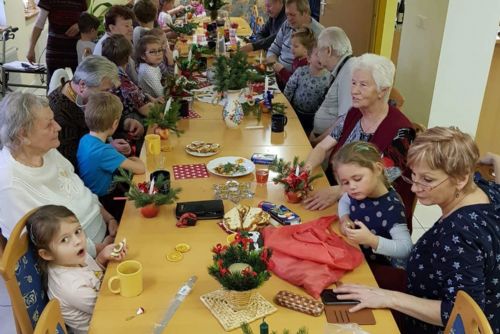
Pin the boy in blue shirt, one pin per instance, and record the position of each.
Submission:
(97, 160)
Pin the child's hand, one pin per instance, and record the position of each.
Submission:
(362, 235)
(107, 255)
(346, 224)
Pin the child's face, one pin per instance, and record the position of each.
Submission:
(314, 60)
(359, 182)
(69, 246)
(168, 5)
(93, 34)
(153, 54)
(298, 50)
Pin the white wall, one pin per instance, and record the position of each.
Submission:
(419, 52)
(464, 63)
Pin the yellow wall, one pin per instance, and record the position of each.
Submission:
(384, 27)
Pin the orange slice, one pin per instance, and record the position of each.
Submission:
(175, 256)
(182, 247)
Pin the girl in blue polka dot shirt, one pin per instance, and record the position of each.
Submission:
(370, 210)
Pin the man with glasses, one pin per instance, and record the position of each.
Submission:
(298, 15)
(263, 40)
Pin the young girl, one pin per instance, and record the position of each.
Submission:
(371, 212)
(306, 88)
(303, 42)
(149, 55)
(167, 65)
(70, 273)
(167, 13)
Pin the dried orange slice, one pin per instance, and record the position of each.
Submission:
(175, 256)
(182, 247)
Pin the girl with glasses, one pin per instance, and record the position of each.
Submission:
(149, 55)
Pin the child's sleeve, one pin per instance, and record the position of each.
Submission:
(110, 159)
(81, 297)
(399, 246)
(344, 204)
(291, 86)
(150, 84)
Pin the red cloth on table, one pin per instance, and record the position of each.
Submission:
(309, 255)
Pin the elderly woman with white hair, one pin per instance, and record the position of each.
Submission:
(335, 54)
(93, 74)
(370, 119)
(33, 173)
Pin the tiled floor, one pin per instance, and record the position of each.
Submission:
(7, 325)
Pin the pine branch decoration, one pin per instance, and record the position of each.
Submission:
(164, 120)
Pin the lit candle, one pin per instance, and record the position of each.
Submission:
(266, 84)
(167, 106)
(151, 186)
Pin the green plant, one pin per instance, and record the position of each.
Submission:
(139, 193)
(180, 86)
(232, 73)
(165, 120)
(252, 108)
(99, 11)
(278, 108)
(245, 328)
(292, 175)
(245, 278)
(213, 5)
(185, 29)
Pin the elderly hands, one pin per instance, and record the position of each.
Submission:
(323, 198)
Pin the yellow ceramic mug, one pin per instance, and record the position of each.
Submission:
(130, 278)
(153, 144)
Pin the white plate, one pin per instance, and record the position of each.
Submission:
(249, 166)
(201, 154)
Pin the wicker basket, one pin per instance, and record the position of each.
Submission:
(239, 300)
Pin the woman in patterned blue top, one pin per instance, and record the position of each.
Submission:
(460, 252)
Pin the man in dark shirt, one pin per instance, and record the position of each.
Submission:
(264, 39)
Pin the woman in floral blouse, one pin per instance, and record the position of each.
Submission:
(460, 252)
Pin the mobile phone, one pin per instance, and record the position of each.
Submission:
(328, 297)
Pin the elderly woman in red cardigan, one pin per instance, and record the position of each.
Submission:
(370, 119)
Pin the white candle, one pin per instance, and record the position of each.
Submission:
(175, 54)
(266, 84)
(190, 54)
(260, 58)
(151, 186)
(297, 171)
(176, 70)
(167, 106)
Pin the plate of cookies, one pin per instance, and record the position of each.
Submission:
(200, 148)
(245, 218)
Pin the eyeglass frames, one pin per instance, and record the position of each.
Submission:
(424, 186)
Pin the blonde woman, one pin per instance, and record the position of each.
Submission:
(461, 251)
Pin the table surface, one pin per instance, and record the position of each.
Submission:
(150, 240)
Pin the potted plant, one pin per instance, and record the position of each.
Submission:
(184, 29)
(146, 196)
(179, 88)
(240, 268)
(165, 120)
(296, 180)
(213, 7)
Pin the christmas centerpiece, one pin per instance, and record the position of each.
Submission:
(213, 7)
(148, 196)
(165, 117)
(240, 268)
(294, 177)
(184, 29)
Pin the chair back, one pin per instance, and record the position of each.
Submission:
(23, 279)
(59, 76)
(467, 317)
(51, 320)
(396, 99)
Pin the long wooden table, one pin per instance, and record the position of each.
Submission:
(150, 240)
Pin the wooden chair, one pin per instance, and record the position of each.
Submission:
(467, 317)
(396, 99)
(19, 270)
(51, 320)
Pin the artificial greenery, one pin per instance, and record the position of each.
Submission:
(165, 120)
(178, 87)
(278, 108)
(240, 251)
(247, 330)
(232, 73)
(139, 193)
(185, 29)
(292, 175)
(252, 108)
(202, 50)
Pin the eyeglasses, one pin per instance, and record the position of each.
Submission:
(155, 52)
(425, 186)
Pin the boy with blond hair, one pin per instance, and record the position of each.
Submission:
(97, 161)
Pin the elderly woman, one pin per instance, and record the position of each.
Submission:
(461, 251)
(335, 54)
(370, 119)
(93, 74)
(34, 173)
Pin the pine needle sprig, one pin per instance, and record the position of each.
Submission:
(164, 120)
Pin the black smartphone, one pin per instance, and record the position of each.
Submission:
(328, 297)
(211, 209)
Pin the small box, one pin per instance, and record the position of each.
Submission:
(263, 158)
